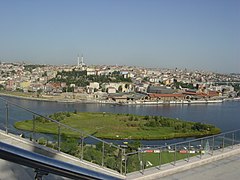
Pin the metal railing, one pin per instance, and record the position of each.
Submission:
(149, 156)
(86, 146)
(44, 165)
(112, 156)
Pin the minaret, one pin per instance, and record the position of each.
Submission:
(82, 61)
(78, 61)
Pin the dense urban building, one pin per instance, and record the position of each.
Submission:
(117, 84)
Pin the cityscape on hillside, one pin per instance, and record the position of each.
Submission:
(116, 84)
(122, 90)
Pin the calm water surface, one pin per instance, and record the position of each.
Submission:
(223, 115)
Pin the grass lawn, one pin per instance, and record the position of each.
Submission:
(154, 159)
(115, 126)
(167, 157)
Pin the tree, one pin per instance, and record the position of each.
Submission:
(93, 155)
(44, 74)
(69, 145)
(120, 88)
(39, 91)
(146, 117)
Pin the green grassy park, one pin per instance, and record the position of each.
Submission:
(119, 126)
(154, 159)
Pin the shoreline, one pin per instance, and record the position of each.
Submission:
(28, 98)
(152, 139)
(183, 102)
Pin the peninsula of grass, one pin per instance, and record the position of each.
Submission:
(119, 126)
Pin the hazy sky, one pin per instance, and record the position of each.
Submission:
(193, 34)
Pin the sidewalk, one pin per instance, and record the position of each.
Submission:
(227, 168)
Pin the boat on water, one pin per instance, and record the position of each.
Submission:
(196, 101)
(172, 102)
(236, 99)
(215, 101)
(179, 102)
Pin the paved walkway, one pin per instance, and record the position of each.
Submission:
(227, 168)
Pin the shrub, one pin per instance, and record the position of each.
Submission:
(146, 117)
(130, 118)
(68, 114)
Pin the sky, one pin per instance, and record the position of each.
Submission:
(192, 34)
